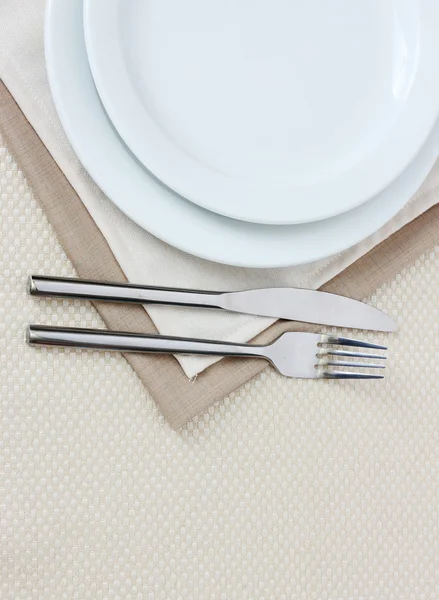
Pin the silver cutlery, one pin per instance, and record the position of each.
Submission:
(301, 355)
(296, 304)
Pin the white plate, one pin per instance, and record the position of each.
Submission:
(167, 216)
(278, 112)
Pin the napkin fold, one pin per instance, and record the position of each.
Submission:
(142, 257)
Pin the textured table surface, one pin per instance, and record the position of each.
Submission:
(287, 489)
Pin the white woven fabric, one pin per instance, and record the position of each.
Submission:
(286, 490)
(143, 258)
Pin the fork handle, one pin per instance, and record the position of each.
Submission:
(63, 287)
(97, 339)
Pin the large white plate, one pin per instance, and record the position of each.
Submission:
(169, 217)
(278, 112)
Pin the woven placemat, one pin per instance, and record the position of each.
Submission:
(285, 490)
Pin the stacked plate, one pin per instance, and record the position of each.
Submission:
(245, 132)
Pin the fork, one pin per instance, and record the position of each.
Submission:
(294, 354)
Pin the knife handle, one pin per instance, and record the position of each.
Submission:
(60, 287)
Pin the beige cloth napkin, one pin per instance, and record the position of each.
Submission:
(142, 257)
(178, 398)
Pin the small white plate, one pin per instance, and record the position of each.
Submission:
(166, 215)
(278, 112)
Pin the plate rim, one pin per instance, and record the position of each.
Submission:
(327, 244)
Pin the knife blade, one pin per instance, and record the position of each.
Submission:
(308, 306)
(295, 304)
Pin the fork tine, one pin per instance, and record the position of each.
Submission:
(347, 375)
(330, 339)
(344, 363)
(330, 352)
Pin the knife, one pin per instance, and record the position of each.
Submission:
(295, 304)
